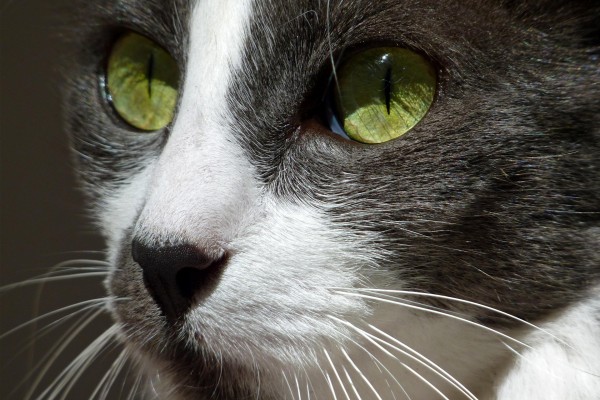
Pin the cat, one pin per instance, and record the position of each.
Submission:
(345, 199)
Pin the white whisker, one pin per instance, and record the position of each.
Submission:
(421, 359)
(134, 388)
(124, 356)
(82, 266)
(336, 374)
(92, 303)
(360, 373)
(330, 384)
(102, 384)
(47, 279)
(221, 362)
(351, 383)
(462, 301)
(415, 373)
(298, 387)
(48, 328)
(376, 361)
(417, 357)
(385, 379)
(380, 365)
(444, 314)
(331, 59)
(77, 366)
(56, 350)
(76, 373)
(420, 303)
(288, 385)
(80, 263)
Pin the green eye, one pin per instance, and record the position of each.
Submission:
(142, 81)
(381, 93)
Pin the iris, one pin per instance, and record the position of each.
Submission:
(383, 92)
(142, 81)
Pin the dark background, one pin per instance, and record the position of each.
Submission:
(42, 217)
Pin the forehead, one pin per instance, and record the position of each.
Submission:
(171, 20)
(451, 24)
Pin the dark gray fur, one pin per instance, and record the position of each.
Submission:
(107, 151)
(500, 183)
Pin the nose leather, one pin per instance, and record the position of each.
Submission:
(174, 274)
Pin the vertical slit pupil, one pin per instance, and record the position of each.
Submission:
(150, 73)
(387, 88)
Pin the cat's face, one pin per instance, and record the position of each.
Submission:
(240, 232)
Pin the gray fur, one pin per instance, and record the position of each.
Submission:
(494, 197)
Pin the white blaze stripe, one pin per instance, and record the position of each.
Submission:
(217, 35)
(203, 184)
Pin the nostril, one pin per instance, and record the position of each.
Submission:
(189, 281)
(175, 275)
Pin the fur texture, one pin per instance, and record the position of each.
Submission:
(339, 256)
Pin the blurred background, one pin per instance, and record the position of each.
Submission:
(42, 217)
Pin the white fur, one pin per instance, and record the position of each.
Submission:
(201, 190)
(202, 186)
(555, 370)
(286, 258)
(291, 248)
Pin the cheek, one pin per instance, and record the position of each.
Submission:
(118, 211)
(277, 294)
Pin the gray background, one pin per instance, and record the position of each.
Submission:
(41, 215)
